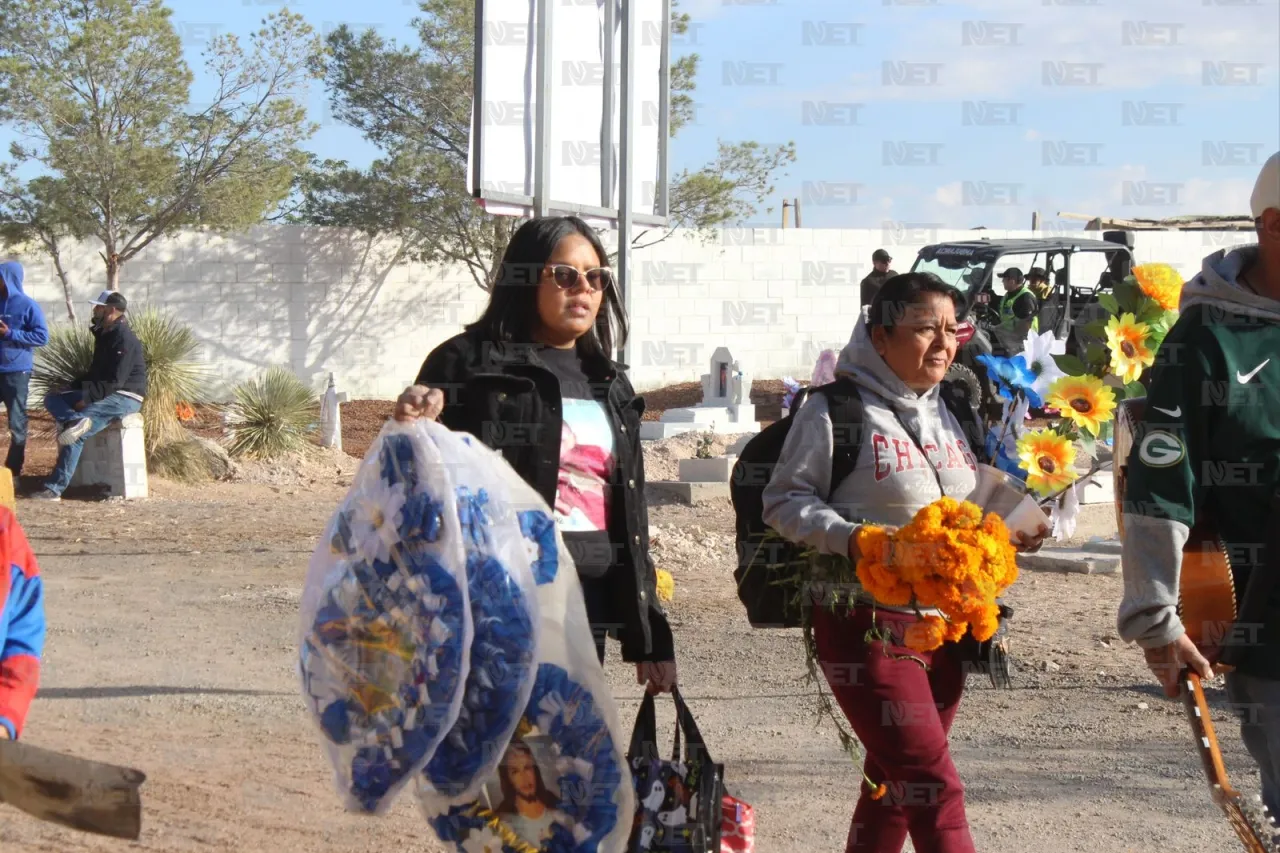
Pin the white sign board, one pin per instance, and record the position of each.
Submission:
(583, 141)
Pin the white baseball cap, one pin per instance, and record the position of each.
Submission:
(113, 298)
(1266, 192)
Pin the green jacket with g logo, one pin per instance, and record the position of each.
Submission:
(1209, 445)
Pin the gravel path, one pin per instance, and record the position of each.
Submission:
(172, 647)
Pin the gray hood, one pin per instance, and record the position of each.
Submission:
(860, 362)
(1217, 284)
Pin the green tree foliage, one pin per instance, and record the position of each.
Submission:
(98, 92)
(414, 103)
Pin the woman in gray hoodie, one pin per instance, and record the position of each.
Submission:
(913, 452)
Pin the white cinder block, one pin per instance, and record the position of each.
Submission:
(116, 459)
(216, 273)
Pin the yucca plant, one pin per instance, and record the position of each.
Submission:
(272, 415)
(173, 374)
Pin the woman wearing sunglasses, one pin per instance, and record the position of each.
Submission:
(534, 380)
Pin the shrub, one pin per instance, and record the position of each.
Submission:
(173, 374)
(272, 415)
(196, 460)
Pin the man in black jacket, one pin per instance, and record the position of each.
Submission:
(113, 388)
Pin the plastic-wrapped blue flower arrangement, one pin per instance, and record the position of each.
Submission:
(530, 705)
(386, 628)
(567, 738)
(502, 654)
(565, 735)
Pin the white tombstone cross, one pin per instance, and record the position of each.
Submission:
(725, 408)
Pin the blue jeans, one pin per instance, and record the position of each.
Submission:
(100, 415)
(1257, 702)
(13, 394)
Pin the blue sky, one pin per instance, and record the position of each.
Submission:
(942, 112)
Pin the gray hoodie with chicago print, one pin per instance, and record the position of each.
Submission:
(893, 477)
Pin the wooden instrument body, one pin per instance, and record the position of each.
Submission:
(1207, 607)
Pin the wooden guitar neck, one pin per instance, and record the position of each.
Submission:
(1252, 823)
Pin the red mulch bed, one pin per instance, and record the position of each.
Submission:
(766, 394)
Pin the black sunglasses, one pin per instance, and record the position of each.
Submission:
(567, 277)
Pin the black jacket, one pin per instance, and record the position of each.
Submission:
(505, 396)
(117, 364)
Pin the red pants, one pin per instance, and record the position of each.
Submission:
(901, 714)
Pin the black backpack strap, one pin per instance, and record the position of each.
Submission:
(844, 404)
(955, 396)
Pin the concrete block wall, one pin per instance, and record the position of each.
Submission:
(324, 299)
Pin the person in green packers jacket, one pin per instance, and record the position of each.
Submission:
(1209, 445)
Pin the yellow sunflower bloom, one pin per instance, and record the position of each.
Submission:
(1161, 282)
(1085, 400)
(1130, 352)
(1048, 459)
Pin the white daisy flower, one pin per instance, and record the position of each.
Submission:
(482, 840)
(375, 520)
(1037, 352)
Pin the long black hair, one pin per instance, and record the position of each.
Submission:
(890, 304)
(509, 796)
(512, 313)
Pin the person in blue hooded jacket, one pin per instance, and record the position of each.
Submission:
(22, 329)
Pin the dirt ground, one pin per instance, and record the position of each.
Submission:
(172, 646)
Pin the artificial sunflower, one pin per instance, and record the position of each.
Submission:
(1130, 350)
(1085, 400)
(1161, 282)
(1048, 459)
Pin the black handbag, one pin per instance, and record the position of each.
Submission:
(678, 802)
(989, 657)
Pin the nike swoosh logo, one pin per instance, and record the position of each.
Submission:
(1244, 378)
(1176, 413)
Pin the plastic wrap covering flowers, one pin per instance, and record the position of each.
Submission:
(1080, 391)
(386, 627)
(501, 585)
(445, 642)
(560, 784)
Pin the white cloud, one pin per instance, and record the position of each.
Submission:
(1091, 45)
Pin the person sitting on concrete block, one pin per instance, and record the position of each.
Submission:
(113, 388)
(22, 628)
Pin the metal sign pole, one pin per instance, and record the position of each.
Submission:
(542, 175)
(626, 202)
(608, 159)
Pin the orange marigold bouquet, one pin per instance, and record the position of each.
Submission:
(949, 558)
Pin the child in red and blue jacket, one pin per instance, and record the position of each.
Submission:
(21, 625)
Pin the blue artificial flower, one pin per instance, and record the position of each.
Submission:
(421, 518)
(1001, 459)
(472, 517)
(502, 662)
(1012, 376)
(540, 529)
(343, 540)
(392, 635)
(397, 461)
